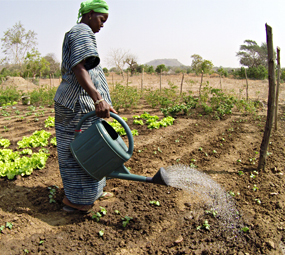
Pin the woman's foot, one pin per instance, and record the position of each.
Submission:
(70, 207)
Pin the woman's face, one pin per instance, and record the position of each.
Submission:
(97, 21)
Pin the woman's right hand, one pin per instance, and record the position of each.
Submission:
(103, 110)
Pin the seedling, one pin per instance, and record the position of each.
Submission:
(6, 129)
(239, 160)
(103, 210)
(257, 201)
(232, 193)
(255, 188)
(117, 212)
(2, 228)
(26, 251)
(101, 232)
(9, 225)
(245, 229)
(154, 203)
(200, 149)
(206, 225)
(41, 242)
(212, 211)
(126, 220)
(52, 192)
(214, 151)
(159, 149)
(96, 216)
(177, 140)
(252, 176)
(240, 173)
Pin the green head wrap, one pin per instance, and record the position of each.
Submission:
(92, 5)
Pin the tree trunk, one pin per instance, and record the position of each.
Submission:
(271, 100)
(277, 88)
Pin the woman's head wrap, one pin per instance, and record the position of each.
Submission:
(92, 5)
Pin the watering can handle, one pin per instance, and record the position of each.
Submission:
(116, 117)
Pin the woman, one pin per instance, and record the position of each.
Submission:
(83, 89)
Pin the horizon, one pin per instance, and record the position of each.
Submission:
(152, 30)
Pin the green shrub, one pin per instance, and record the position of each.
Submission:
(9, 94)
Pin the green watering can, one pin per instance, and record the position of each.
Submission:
(101, 152)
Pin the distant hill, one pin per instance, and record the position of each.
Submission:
(166, 62)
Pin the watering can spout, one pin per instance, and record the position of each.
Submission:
(160, 177)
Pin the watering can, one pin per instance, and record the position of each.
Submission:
(101, 152)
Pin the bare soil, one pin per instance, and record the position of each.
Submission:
(40, 227)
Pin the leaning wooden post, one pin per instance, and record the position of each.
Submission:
(142, 79)
(181, 83)
(221, 82)
(160, 79)
(127, 78)
(246, 84)
(50, 80)
(277, 88)
(201, 83)
(271, 100)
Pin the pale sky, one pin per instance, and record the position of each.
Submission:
(156, 29)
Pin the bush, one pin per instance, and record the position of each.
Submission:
(43, 96)
(10, 94)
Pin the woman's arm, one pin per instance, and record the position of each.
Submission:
(103, 108)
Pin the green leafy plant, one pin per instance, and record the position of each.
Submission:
(96, 216)
(5, 143)
(126, 220)
(38, 139)
(49, 122)
(245, 229)
(9, 225)
(101, 232)
(157, 203)
(52, 193)
(205, 225)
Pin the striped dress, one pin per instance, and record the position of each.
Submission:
(72, 102)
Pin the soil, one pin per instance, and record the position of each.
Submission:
(40, 227)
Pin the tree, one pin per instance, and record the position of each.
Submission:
(196, 63)
(35, 64)
(54, 65)
(252, 55)
(117, 58)
(17, 42)
(161, 68)
(131, 60)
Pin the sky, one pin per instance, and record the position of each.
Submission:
(156, 29)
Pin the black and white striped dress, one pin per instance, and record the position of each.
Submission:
(72, 102)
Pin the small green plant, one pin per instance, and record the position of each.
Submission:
(2, 228)
(257, 201)
(5, 143)
(26, 251)
(6, 129)
(212, 212)
(49, 122)
(205, 225)
(245, 229)
(255, 188)
(52, 193)
(117, 212)
(214, 151)
(157, 203)
(41, 242)
(9, 225)
(101, 232)
(231, 193)
(200, 149)
(96, 216)
(126, 220)
(103, 210)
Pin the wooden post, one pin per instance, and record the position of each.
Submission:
(201, 83)
(181, 83)
(113, 81)
(50, 80)
(271, 100)
(142, 79)
(28, 82)
(127, 78)
(53, 79)
(277, 88)
(160, 79)
(246, 85)
(221, 82)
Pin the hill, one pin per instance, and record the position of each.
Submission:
(166, 62)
